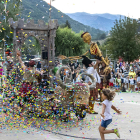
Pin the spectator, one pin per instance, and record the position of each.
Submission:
(62, 75)
(122, 81)
(71, 64)
(67, 78)
(39, 66)
(73, 67)
(126, 79)
(55, 62)
(67, 64)
(120, 65)
(73, 75)
(119, 82)
(108, 77)
(81, 71)
(121, 69)
(102, 75)
(131, 83)
(127, 66)
(135, 65)
(118, 73)
(76, 64)
(77, 76)
(79, 67)
(112, 71)
(65, 73)
(138, 79)
(117, 66)
(132, 73)
(111, 81)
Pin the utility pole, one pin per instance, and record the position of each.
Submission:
(4, 31)
(50, 11)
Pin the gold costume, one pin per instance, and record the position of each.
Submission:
(94, 49)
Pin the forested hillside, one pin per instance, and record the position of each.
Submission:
(36, 9)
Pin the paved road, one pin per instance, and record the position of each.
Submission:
(128, 124)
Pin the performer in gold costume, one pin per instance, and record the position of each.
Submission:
(94, 49)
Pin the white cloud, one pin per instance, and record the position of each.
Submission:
(123, 7)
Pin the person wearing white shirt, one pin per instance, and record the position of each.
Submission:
(91, 69)
(106, 116)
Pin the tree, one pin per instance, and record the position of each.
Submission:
(12, 11)
(67, 24)
(62, 26)
(124, 40)
(68, 43)
(98, 43)
(102, 36)
(31, 46)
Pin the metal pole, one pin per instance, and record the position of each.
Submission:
(4, 32)
(50, 11)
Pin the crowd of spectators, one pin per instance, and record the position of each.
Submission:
(125, 77)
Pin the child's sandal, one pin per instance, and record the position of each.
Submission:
(116, 131)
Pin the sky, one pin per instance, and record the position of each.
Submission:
(123, 7)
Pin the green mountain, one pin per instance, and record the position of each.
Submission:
(37, 10)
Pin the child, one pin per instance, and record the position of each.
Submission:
(119, 82)
(123, 83)
(131, 83)
(111, 81)
(106, 116)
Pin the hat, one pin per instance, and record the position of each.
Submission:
(86, 61)
(32, 63)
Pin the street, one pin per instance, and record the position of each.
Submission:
(127, 123)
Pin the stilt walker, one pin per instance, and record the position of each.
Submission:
(91, 69)
(94, 51)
